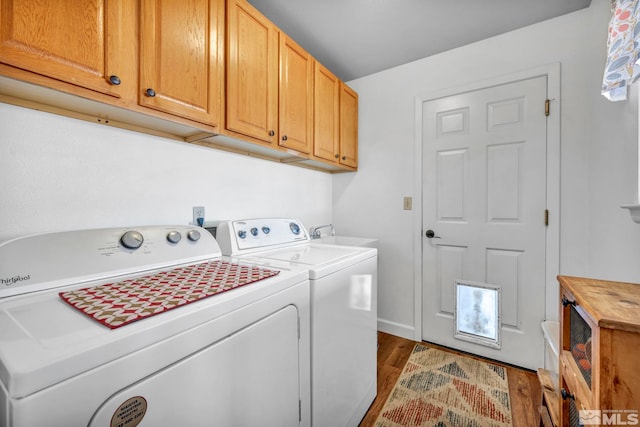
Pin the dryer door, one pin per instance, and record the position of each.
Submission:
(250, 378)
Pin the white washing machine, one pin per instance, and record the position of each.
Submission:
(236, 358)
(343, 311)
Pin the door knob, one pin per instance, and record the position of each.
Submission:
(567, 395)
(431, 235)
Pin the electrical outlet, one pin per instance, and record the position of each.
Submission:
(198, 213)
(408, 203)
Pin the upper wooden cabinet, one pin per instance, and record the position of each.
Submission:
(252, 73)
(198, 71)
(296, 96)
(335, 120)
(269, 81)
(87, 43)
(348, 126)
(181, 57)
(326, 112)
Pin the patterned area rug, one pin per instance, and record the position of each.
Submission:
(439, 389)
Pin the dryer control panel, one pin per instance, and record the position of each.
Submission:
(52, 260)
(250, 235)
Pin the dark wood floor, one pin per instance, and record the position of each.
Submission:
(393, 353)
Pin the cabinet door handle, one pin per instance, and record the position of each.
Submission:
(284, 137)
(114, 80)
(337, 156)
(344, 157)
(566, 302)
(271, 133)
(566, 395)
(150, 93)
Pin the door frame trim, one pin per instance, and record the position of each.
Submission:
(552, 245)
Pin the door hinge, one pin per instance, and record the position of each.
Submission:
(546, 217)
(547, 105)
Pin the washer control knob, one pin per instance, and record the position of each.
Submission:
(242, 234)
(266, 230)
(295, 228)
(132, 239)
(193, 235)
(174, 236)
(254, 231)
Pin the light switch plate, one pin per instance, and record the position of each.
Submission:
(408, 203)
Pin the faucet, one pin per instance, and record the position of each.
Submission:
(315, 231)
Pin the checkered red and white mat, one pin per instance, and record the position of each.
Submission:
(121, 303)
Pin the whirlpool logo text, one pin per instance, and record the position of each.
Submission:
(15, 279)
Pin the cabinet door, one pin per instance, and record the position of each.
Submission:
(348, 126)
(179, 57)
(326, 112)
(76, 41)
(296, 96)
(252, 72)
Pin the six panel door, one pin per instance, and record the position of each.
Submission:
(484, 198)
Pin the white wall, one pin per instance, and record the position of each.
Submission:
(598, 154)
(58, 173)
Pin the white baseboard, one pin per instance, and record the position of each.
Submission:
(397, 329)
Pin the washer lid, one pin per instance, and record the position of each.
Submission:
(321, 259)
(313, 255)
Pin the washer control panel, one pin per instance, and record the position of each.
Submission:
(240, 236)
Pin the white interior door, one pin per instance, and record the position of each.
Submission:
(484, 198)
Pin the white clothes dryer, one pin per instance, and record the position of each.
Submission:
(343, 284)
(240, 357)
